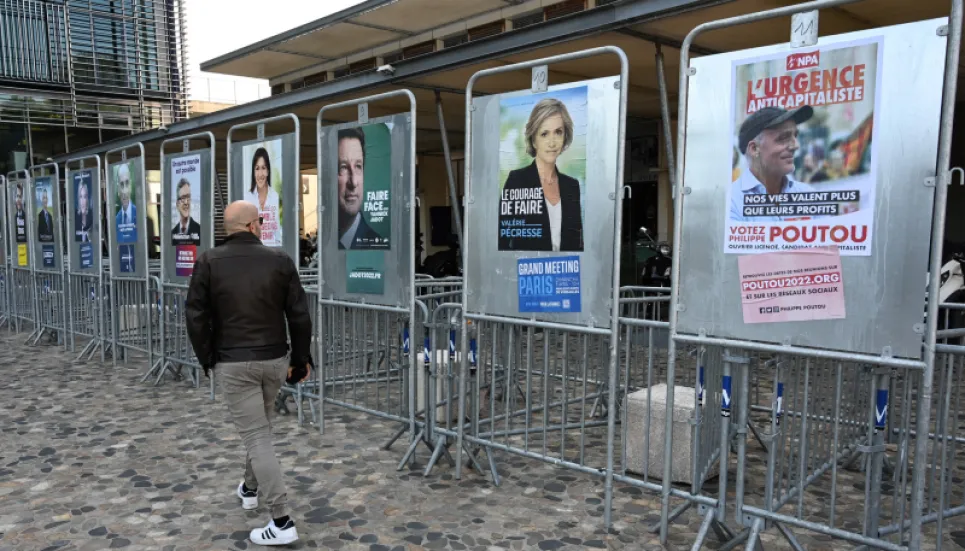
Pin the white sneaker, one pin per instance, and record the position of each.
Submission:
(273, 535)
(249, 500)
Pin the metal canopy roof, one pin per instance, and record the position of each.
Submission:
(450, 69)
(356, 30)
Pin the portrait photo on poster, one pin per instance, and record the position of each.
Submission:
(803, 171)
(43, 203)
(364, 187)
(83, 205)
(263, 184)
(186, 200)
(19, 213)
(542, 171)
(125, 176)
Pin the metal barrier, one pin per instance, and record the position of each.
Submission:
(6, 306)
(188, 181)
(426, 336)
(821, 397)
(306, 392)
(367, 298)
(87, 277)
(21, 289)
(46, 230)
(542, 382)
(133, 309)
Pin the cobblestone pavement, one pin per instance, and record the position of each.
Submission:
(92, 459)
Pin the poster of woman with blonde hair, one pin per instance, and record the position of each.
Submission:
(540, 207)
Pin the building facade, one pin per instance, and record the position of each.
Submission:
(74, 73)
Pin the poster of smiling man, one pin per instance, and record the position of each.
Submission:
(804, 162)
(126, 178)
(542, 170)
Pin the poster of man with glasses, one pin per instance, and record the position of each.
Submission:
(186, 211)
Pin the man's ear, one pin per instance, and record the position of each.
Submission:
(752, 150)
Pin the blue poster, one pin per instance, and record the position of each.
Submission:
(86, 255)
(48, 254)
(549, 284)
(127, 259)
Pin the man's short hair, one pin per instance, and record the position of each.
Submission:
(181, 184)
(353, 134)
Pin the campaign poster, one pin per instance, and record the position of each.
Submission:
(125, 177)
(365, 272)
(83, 206)
(185, 212)
(801, 285)
(127, 258)
(47, 255)
(3, 229)
(549, 284)
(85, 203)
(542, 171)
(43, 203)
(804, 159)
(364, 187)
(20, 215)
(263, 178)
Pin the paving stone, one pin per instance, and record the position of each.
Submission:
(93, 459)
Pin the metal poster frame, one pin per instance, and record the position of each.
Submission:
(259, 125)
(97, 342)
(408, 245)
(58, 270)
(540, 81)
(6, 314)
(165, 364)
(12, 180)
(756, 518)
(117, 347)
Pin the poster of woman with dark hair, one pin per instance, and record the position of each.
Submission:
(263, 187)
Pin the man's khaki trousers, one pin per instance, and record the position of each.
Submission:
(250, 389)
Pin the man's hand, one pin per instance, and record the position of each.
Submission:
(308, 372)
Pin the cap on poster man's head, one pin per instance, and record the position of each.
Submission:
(769, 117)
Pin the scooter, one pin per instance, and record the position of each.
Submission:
(656, 273)
(656, 269)
(445, 263)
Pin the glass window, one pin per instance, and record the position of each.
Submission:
(13, 145)
(48, 142)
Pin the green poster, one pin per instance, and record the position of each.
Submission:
(364, 187)
(365, 272)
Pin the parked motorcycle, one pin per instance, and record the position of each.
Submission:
(656, 269)
(445, 263)
(308, 247)
(656, 273)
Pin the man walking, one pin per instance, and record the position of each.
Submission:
(241, 295)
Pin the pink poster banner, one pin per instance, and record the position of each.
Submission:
(185, 255)
(802, 285)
